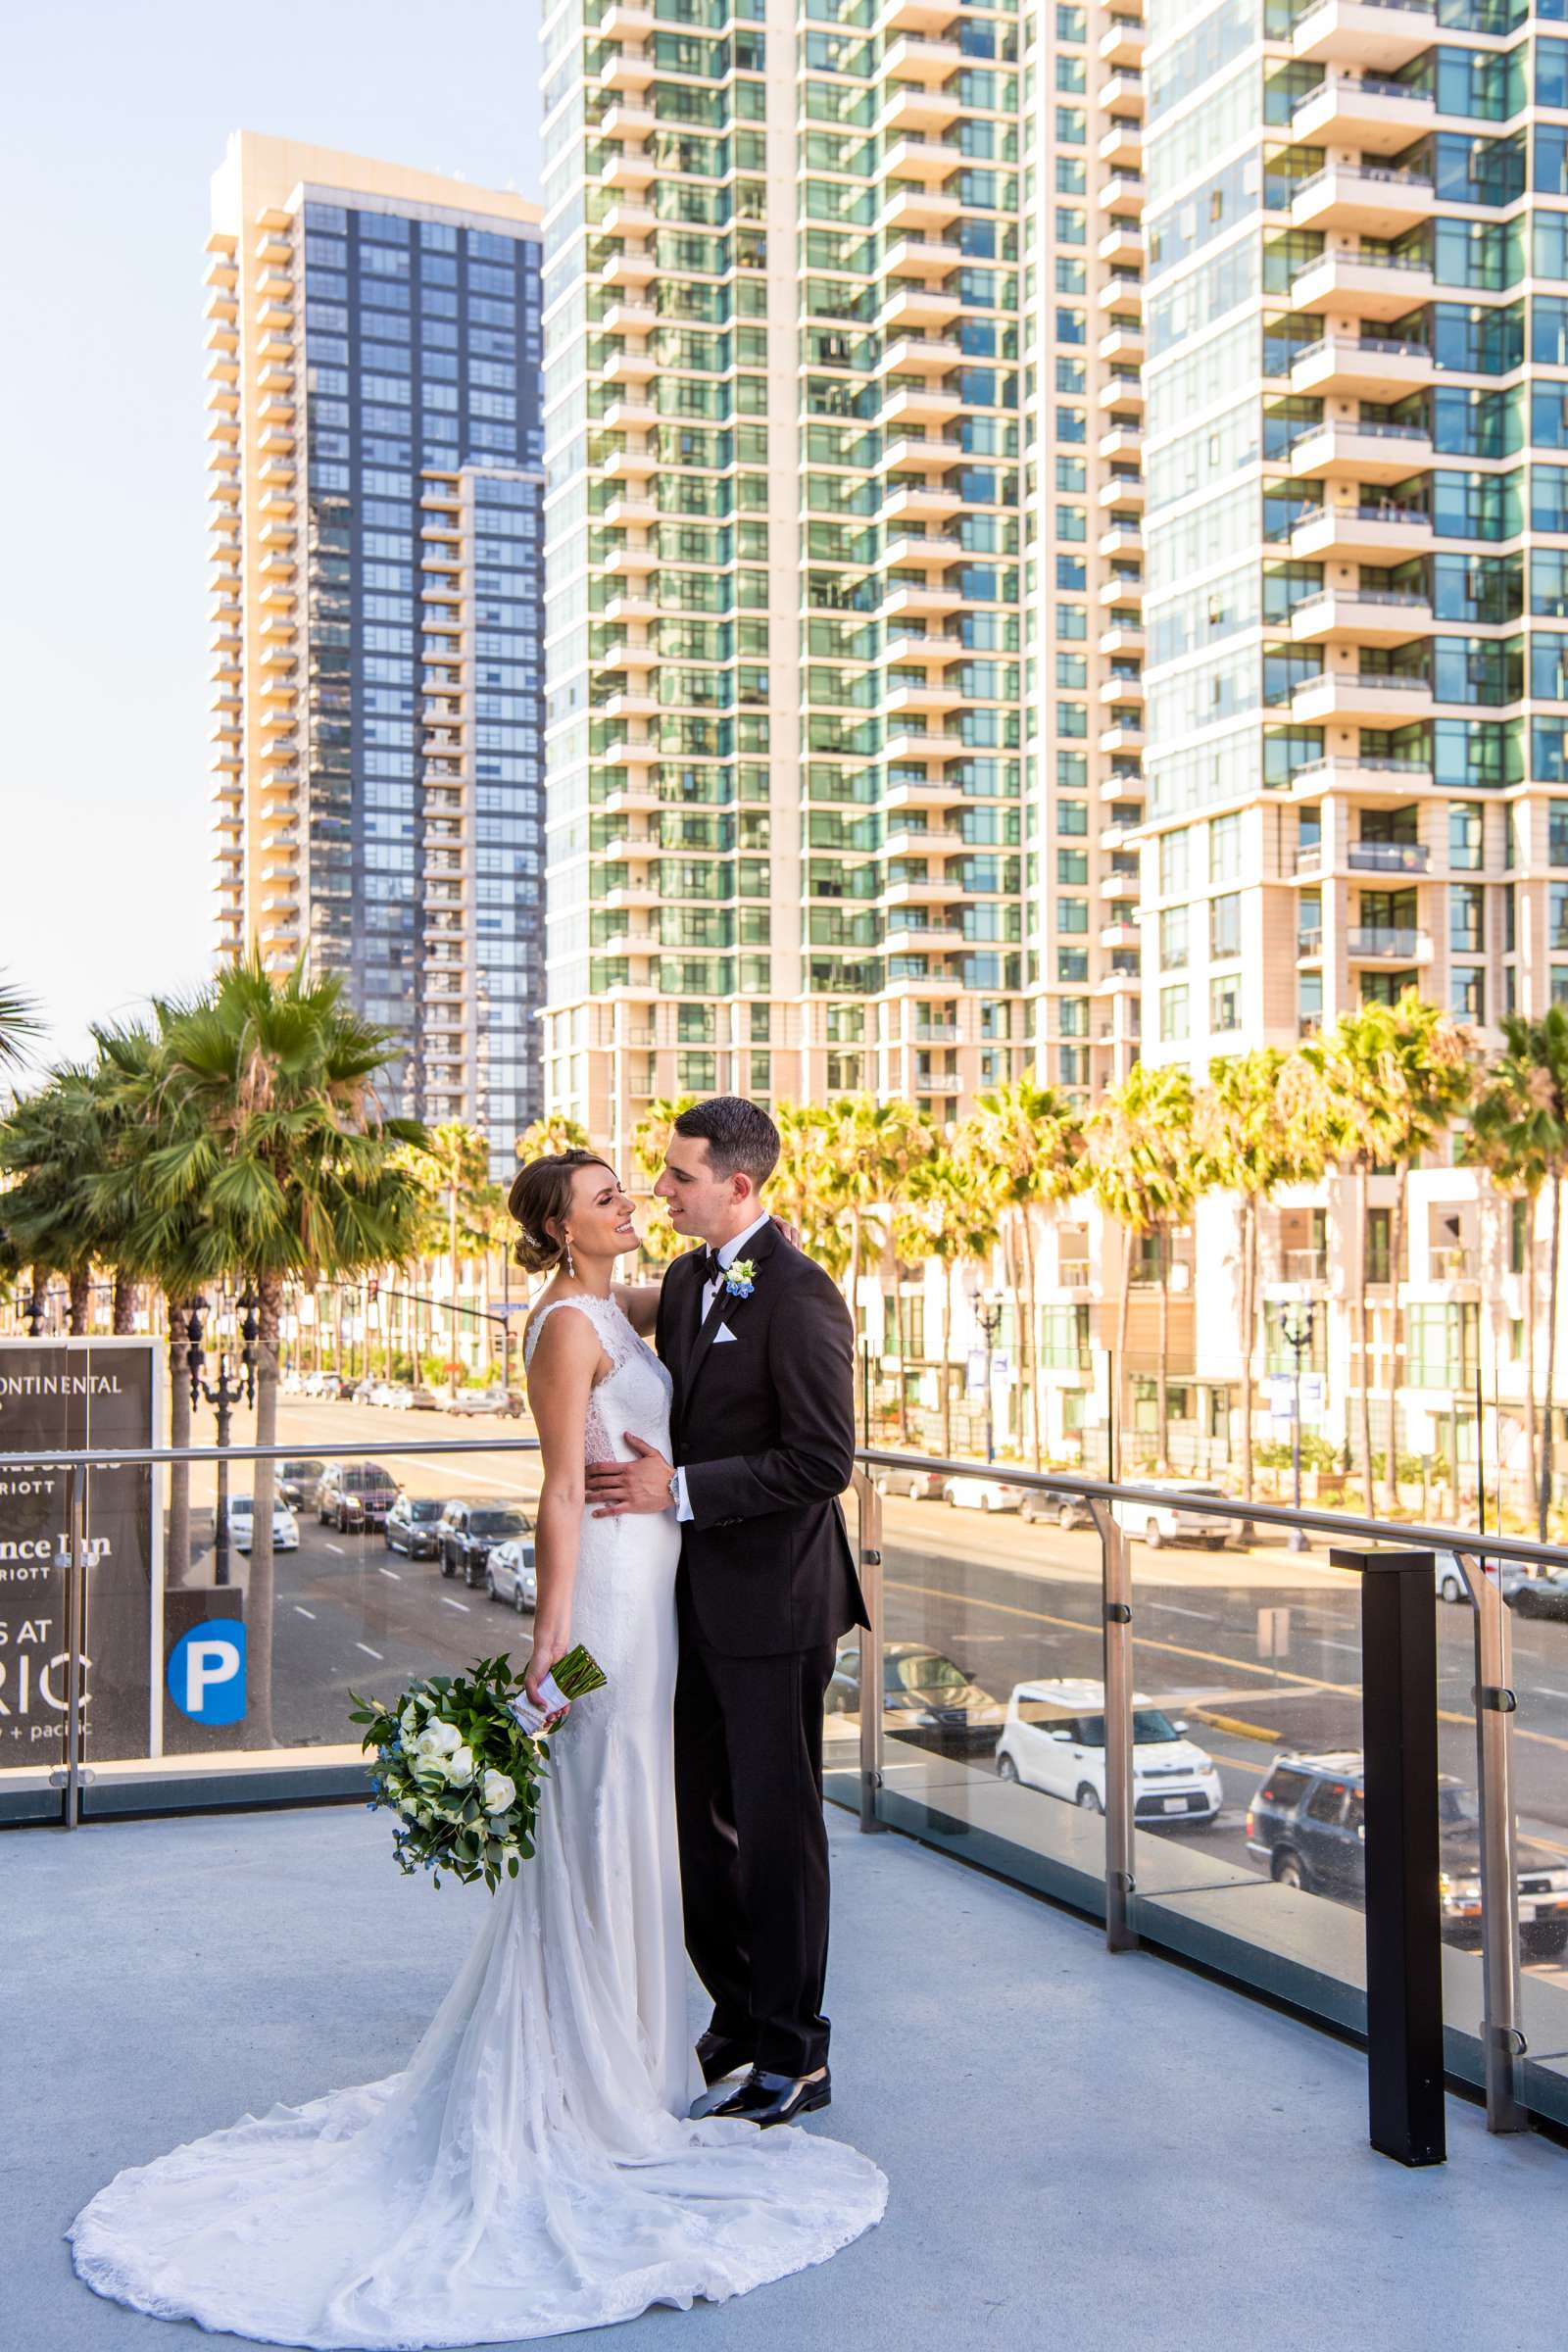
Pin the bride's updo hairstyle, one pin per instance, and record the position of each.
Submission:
(540, 1195)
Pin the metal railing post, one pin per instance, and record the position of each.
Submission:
(76, 1638)
(870, 1531)
(1404, 1906)
(1502, 2040)
(1116, 1614)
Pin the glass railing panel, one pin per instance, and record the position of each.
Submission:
(1537, 1614)
(1246, 1755)
(987, 1613)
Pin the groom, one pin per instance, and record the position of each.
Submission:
(761, 1351)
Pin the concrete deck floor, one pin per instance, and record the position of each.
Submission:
(1083, 2150)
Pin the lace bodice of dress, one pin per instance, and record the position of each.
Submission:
(634, 1395)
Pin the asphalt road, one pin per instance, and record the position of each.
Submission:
(1008, 1600)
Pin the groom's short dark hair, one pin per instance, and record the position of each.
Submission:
(740, 1139)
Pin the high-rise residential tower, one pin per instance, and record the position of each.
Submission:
(831, 625)
(374, 353)
(1357, 590)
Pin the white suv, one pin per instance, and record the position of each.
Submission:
(1055, 1740)
(1178, 1521)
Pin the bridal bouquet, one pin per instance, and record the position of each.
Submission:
(459, 1760)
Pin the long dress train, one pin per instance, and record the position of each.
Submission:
(532, 2171)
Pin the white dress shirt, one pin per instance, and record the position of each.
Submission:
(727, 1253)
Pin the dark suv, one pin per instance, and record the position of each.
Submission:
(354, 1494)
(469, 1532)
(1306, 1822)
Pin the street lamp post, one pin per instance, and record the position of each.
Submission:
(223, 1394)
(988, 1314)
(1295, 1329)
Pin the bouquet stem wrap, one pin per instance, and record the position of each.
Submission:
(460, 1760)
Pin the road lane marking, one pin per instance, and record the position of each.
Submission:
(1210, 1657)
(299, 1612)
(369, 1652)
(391, 1572)
(447, 1602)
(1545, 1691)
(1173, 1608)
(337, 1547)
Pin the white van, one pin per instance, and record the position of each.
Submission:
(1055, 1740)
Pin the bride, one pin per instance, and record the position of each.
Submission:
(533, 2169)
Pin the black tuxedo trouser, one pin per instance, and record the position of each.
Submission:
(754, 1844)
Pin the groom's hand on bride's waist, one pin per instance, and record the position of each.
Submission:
(640, 1486)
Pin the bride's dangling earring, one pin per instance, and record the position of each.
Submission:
(572, 1271)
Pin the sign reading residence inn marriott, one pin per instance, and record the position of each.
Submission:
(55, 1394)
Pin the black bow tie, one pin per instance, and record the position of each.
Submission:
(713, 1271)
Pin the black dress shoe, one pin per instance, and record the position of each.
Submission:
(765, 2099)
(721, 2054)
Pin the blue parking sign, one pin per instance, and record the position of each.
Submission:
(206, 1671)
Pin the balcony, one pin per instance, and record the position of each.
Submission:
(1388, 856)
(1376, 35)
(1362, 616)
(1374, 453)
(1372, 699)
(1361, 287)
(1380, 942)
(1375, 199)
(1360, 534)
(928, 160)
(1123, 192)
(1361, 779)
(1123, 245)
(1123, 41)
(1365, 111)
(1122, 146)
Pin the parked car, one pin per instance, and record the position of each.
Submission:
(923, 1486)
(422, 1399)
(1540, 1596)
(413, 1527)
(1306, 1822)
(486, 1400)
(326, 1385)
(292, 1384)
(981, 1495)
(1055, 1740)
(354, 1494)
(242, 1524)
(510, 1573)
(361, 1392)
(926, 1699)
(1180, 1520)
(469, 1529)
(1062, 1510)
(1507, 1576)
(297, 1481)
(396, 1395)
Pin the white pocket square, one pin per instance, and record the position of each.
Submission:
(724, 1335)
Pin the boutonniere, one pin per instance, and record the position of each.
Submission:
(740, 1278)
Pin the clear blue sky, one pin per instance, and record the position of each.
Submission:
(114, 114)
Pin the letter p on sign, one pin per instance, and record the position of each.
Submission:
(206, 1671)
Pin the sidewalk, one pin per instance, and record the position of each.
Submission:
(1103, 2153)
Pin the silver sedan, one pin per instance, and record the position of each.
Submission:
(509, 1573)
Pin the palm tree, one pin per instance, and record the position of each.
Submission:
(543, 1138)
(53, 1142)
(453, 1161)
(269, 1123)
(867, 1152)
(1346, 1086)
(18, 1022)
(1023, 1144)
(651, 1135)
(1143, 1168)
(1248, 1148)
(948, 1218)
(1519, 1129)
(800, 1191)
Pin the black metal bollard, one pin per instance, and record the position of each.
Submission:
(1403, 1912)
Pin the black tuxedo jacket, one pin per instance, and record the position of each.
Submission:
(763, 1423)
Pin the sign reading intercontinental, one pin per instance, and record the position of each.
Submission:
(57, 1394)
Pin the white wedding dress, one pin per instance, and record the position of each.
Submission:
(532, 2171)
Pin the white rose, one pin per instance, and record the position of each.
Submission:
(441, 1738)
(460, 1766)
(497, 1790)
